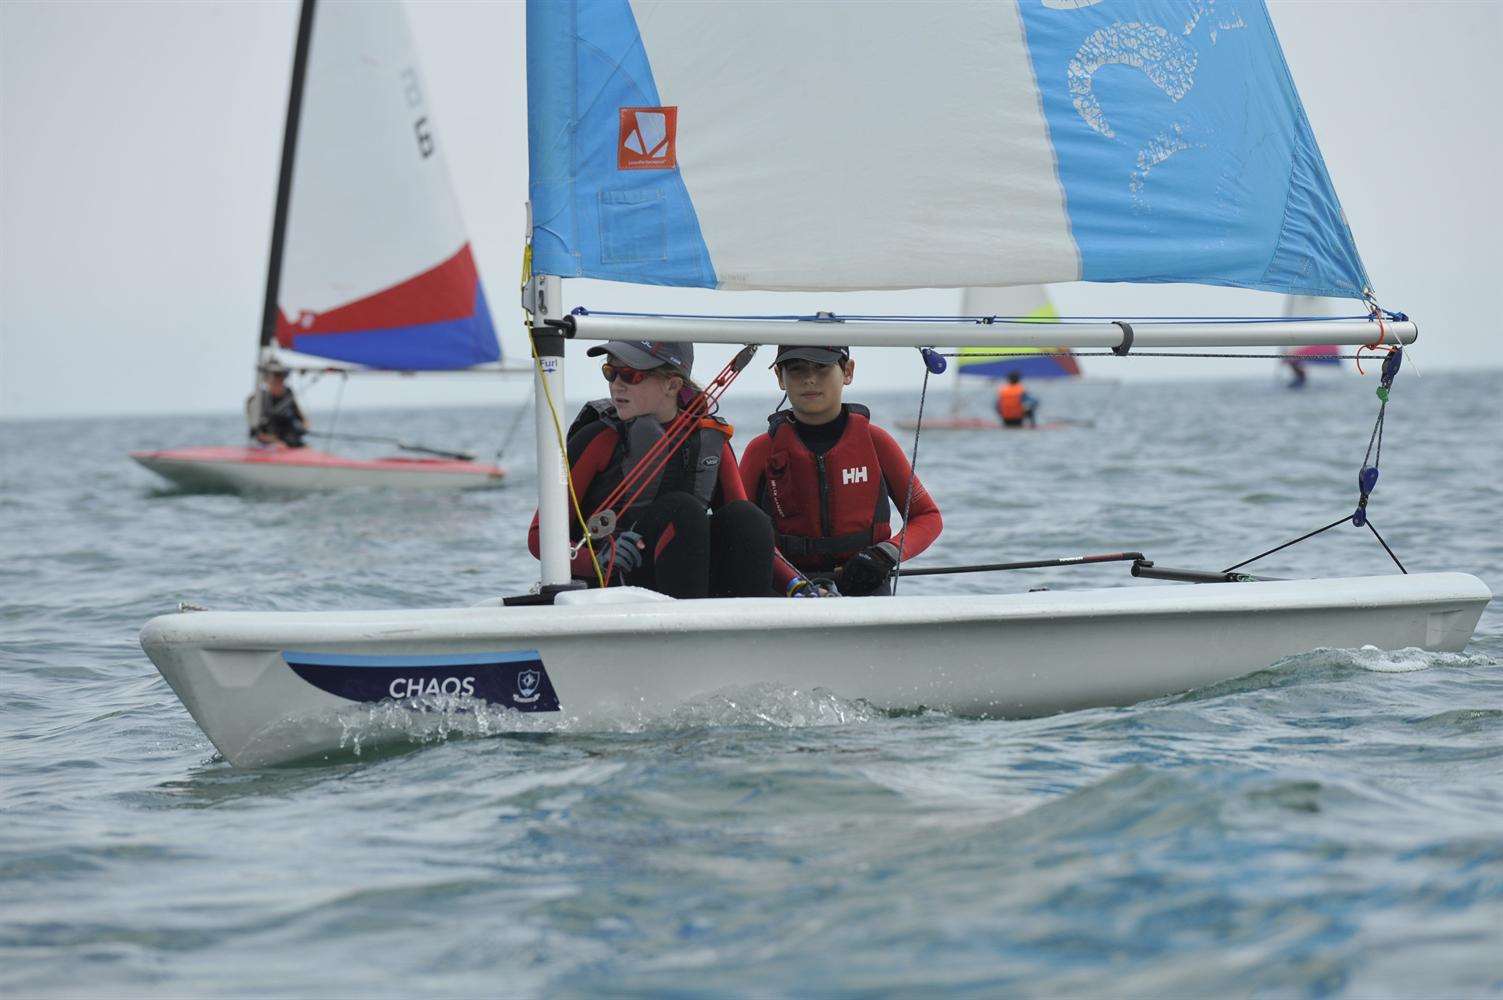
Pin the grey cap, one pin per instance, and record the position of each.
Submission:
(818, 355)
(646, 354)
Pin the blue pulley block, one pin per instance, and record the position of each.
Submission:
(934, 360)
(1367, 479)
(1391, 365)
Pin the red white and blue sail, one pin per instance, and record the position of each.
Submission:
(377, 268)
(1020, 302)
(832, 145)
(1306, 307)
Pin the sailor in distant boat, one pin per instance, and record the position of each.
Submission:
(1015, 404)
(1297, 376)
(272, 412)
(690, 532)
(829, 478)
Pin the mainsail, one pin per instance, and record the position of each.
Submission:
(1030, 302)
(375, 267)
(835, 145)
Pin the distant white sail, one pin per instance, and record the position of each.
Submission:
(377, 268)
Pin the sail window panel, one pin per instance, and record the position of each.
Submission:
(633, 227)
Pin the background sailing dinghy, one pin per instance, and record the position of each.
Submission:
(1300, 360)
(370, 266)
(1024, 302)
(646, 167)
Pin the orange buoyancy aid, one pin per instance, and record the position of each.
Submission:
(1010, 401)
(827, 507)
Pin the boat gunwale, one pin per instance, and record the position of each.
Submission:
(226, 630)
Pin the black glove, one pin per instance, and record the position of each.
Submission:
(628, 554)
(866, 571)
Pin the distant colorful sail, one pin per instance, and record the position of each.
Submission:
(1026, 302)
(1308, 307)
(772, 145)
(377, 268)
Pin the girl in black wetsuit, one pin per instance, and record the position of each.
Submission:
(691, 532)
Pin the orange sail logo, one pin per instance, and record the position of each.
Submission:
(648, 139)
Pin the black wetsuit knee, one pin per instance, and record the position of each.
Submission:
(741, 541)
(676, 531)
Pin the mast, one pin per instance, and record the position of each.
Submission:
(543, 299)
(284, 177)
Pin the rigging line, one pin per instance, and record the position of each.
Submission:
(897, 569)
(338, 402)
(1375, 437)
(676, 433)
(563, 449)
(1387, 549)
(1028, 352)
(511, 432)
(1301, 538)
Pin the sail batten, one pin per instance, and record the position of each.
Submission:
(833, 146)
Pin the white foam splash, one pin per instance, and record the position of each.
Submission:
(434, 720)
(1408, 660)
(772, 706)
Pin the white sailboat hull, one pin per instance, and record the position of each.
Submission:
(610, 657)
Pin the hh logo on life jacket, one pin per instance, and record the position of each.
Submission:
(849, 476)
(648, 139)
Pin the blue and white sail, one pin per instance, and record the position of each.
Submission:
(833, 145)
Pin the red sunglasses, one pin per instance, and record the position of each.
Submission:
(631, 376)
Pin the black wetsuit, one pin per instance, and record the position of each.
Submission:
(282, 418)
(701, 537)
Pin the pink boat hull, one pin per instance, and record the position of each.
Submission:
(303, 470)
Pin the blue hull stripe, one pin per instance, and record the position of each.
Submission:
(402, 660)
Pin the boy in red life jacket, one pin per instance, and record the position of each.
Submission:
(831, 480)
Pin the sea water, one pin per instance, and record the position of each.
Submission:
(1329, 825)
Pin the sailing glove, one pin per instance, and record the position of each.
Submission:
(626, 557)
(801, 587)
(866, 571)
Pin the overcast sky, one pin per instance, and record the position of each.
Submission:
(139, 145)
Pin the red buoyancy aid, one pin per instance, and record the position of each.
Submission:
(827, 507)
(1010, 401)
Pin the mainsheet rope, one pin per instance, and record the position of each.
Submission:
(918, 429)
(1367, 475)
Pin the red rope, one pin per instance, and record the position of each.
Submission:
(1377, 345)
(674, 435)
